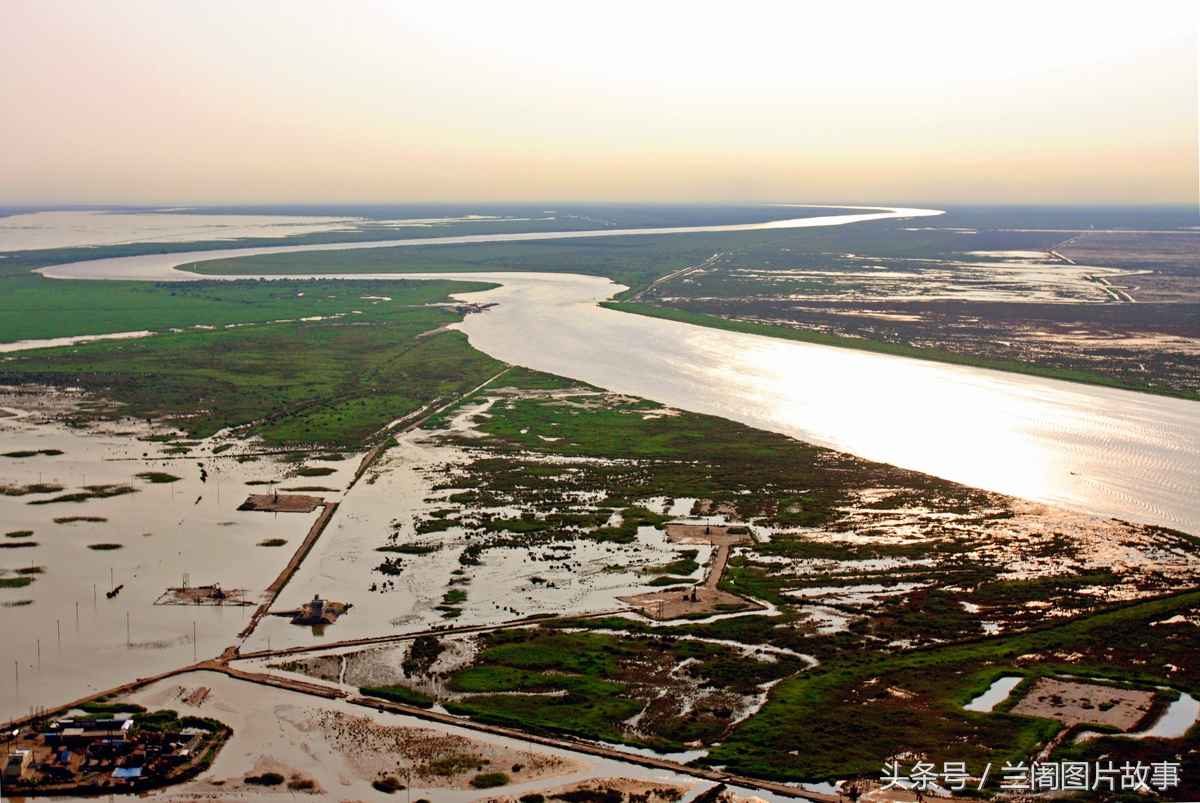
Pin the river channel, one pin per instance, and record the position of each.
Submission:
(1102, 451)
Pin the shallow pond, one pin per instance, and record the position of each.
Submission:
(85, 640)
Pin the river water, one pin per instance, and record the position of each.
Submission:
(1108, 452)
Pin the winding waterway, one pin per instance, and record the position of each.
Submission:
(1108, 452)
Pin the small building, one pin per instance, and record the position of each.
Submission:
(319, 612)
(18, 762)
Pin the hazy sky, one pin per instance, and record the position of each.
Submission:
(209, 102)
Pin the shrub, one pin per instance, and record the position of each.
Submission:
(266, 779)
(387, 785)
(157, 477)
(489, 780)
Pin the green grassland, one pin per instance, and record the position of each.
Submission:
(847, 719)
(331, 382)
(629, 449)
(588, 684)
(33, 307)
(858, 708)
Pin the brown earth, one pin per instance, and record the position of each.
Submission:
(1076, 703)
(282, 503)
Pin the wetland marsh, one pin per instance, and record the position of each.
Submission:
(499, 482)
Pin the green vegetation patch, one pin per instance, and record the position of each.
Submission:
(33, 453)
(105, 547)
(455, 764)
(15, 582)
(88, 493)
(158, 477)
(686, 564)
(399, 694)
(489, 780)
(670, 581)
(333, 382)
(76, 519)
(423, 652)
(272, 542)
(613, 449)
(590, 684)
(410, 549)
(861, 707)
(97, 707)
(35, 488)
(19, 534)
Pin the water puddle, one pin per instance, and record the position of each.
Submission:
(997, 693)
(1175, 722)
(54, 342)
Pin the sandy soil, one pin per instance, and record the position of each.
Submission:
(282, 503)
(341, 747)
(1075, 703)
(715, 534)
(708, 599)
(676, 602)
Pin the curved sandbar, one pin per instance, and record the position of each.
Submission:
(1099, 450)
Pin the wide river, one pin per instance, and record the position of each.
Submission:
(1109, 452)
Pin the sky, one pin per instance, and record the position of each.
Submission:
(176, 102)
